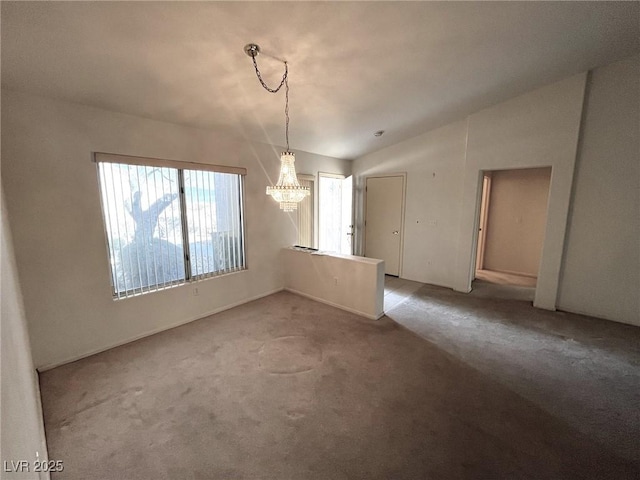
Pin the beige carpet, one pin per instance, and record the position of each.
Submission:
(286, 388)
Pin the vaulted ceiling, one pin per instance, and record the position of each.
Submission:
(355, 67)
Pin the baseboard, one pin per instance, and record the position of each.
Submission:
(599, 316)
(43, 454)
(148, 333)
(341, 307)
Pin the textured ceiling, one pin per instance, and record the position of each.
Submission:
(355, 67)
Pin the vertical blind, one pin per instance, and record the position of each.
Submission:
(213, 204)
(305, 214)
(166, 226)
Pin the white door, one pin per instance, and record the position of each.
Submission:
(347, 216)
(482, 223)
(335, 217)
(383, 220)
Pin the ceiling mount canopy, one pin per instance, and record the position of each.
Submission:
(287, 191)
(252, 49)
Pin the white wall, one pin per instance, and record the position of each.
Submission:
(600, 261)
(537, 129)
(515, 220)
(21, 413)
(601, 271)
(54, 211)
(355, 284)
(434, 164)
(444, 173)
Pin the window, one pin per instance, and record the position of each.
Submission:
(169, 222)
(306, 213)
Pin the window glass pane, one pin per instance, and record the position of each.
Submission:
(143, 223)
(213, 205)
(165, 225)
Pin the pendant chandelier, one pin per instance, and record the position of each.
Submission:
(287, 191)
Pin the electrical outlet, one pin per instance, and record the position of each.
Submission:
(195, 291)
(335, 280)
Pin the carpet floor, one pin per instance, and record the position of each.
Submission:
(286, 388)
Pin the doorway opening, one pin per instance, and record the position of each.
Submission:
(511, 229)
(335, 214)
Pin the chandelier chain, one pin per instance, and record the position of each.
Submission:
(287, 191)
(286, 109)
(285, 82)
(266, 87)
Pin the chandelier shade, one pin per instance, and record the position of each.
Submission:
(288, 191)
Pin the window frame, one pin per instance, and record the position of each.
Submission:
(181, 167)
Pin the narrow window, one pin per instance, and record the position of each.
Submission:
(306, 234)
(167, 225)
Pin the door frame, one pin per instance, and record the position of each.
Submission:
(483, 220)
(476, 240)
(402, 214)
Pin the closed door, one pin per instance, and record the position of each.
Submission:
(383, 220)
